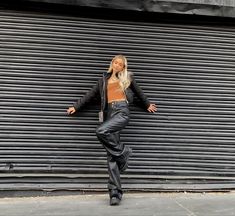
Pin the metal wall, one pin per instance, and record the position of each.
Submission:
(49, 61)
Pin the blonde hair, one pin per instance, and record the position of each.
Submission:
(124, 75)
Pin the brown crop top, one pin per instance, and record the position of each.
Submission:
(115, 92)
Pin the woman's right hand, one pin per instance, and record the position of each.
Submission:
(71, 110)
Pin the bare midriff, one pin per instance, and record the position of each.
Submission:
(115, 92)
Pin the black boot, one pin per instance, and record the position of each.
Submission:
(123, 160)
(115, 197)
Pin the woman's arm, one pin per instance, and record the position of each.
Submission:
(140, 94)
(85, 99)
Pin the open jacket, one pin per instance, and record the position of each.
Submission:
(100, 88)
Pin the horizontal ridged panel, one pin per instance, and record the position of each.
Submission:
(47, 62)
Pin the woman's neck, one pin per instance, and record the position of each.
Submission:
(114, 74)
(113, 77)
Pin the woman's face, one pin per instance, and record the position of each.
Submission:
(118, 65)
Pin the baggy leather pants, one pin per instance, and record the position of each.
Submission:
(108, 133)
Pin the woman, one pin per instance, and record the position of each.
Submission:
(116, 89)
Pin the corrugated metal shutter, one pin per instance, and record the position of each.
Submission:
(47, 62)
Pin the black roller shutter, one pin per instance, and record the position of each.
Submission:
(49, 61)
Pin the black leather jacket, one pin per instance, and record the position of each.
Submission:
(100, 88)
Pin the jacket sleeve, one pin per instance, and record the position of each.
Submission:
(139, 92)
(87, 97)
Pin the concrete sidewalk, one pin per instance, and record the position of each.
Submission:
(133, 204)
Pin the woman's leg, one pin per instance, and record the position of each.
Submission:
(108, 134)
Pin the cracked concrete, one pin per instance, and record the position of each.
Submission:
(190, 213)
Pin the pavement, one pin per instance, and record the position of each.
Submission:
(133, 204)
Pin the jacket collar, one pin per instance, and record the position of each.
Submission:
(107, 75)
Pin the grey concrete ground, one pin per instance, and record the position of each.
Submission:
(133, 204)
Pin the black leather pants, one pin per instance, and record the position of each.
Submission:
(108, 134)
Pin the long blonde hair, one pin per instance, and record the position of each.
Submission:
(124, 75)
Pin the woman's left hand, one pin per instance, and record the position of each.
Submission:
(152, 108)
